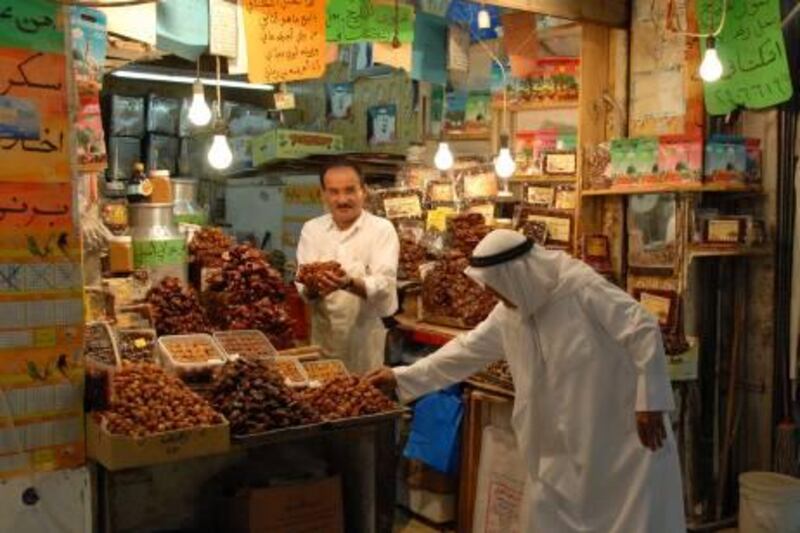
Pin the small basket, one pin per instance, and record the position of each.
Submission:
(190, 371)
(294, 375)
(247, 343)
(324, 370)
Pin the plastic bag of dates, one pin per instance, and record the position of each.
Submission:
(466, 230)
(146, 400)
(412, 250)
(176, 309)
(253, 397)
(348, 397)
(448, 292)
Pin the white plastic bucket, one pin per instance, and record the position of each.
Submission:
(768, 503)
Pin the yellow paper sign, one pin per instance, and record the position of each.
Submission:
(402, 207)
(437, 218)
(658, 306)
(285, 39)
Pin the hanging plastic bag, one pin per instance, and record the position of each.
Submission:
(435, 429)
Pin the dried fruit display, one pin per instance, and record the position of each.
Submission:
(136, 345)
(254, 399)
(98, 345)
(207, 247)
(251, 344)
(347, 397)
(466, 231)
(176, 309)
(245, 276)
(310, 274)
(412, 255)
(325, 370)
(535, 231)
(448, 292)
(192, 349)
(291, 370)
(146, 400)
(270, 318)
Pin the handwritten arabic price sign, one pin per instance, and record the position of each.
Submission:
(285, 39)
(352, 21)
(37, 80)
(753, 55)
(35, 206)
(32, 24)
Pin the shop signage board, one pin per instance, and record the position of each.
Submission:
(352, 21)
(41, 283)
(753, 55)
(285, 41)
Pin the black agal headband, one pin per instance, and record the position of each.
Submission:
(502, 257)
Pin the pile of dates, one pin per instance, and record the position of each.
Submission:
(146, 400)
(347, 397)
(253, 397)
(207, 247)
(247, 293)
(466, 231)
(448, 292)
(311, 274)
(176, 308)
(412, 255)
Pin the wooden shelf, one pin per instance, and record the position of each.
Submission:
(467, 136)
(697, 251)
(92, 167)
(673, 188)
(545, 180)
(425, 333)
(537, 106)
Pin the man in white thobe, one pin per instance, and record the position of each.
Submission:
(346, 315)
(592, 390)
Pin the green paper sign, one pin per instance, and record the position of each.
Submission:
(32, 25)
(352, 21)
(753, 55)
(148, 254)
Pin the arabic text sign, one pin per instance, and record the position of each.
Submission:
(32, 24)
(285, 39)
(38, 79)
(351, 21)
(753, 55)
(35, 206)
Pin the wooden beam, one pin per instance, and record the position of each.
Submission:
(607, 12)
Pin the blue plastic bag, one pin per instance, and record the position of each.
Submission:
(435, 430)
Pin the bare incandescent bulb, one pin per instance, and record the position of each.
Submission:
(711, 67)
(199, 112)
(444, 157)
(220, 156)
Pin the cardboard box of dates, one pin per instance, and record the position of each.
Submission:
(153, 418)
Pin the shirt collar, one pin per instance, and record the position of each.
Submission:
(356, 225)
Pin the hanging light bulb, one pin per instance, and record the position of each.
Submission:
(199, 112)
(711, 67)
(220, 156)
(504, 164)
(484, 19)
(444, 157)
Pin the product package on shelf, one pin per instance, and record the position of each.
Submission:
(89, 133)
(413, 252)
(127, 116)
(398, 204)
(163, 115)
(123, 152)
(632, 161)
(465, 231)
(246, 120)
(478, 184)
(114, 214)
(292, 144)
(726, 159)
(554, 80)
(652, 241)
(162, 152)
(596, 252)
(250, 344)
(680, 158)
(559, 225)
(597, 161)
(439, 192)
(417, 176)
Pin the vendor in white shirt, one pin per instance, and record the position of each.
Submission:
(346, 313)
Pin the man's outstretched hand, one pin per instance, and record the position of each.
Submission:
(383, 379)
(650, 425)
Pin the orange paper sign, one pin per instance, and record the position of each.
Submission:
(285, 39)
(32, 85)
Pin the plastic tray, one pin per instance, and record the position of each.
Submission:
(287, 366)
(260, 348)
(315, 369)
(148, 336)
(97, 363)
(189, 370)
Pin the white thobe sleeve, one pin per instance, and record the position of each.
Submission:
(454, 362)
(638, 332)
(305, 254)
(381, 282)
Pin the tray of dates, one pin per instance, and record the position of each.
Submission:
(496, 375)
(99, 346)
(137, 345)
(294, 375)
(247, 343)
(192, 357)
(324, 370)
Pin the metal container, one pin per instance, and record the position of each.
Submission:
(187, 210)
(158, 246)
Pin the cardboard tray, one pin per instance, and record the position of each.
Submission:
(321, 429)
(119, 452)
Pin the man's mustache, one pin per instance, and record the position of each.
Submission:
(344, 206)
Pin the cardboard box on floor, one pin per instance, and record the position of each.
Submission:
(298, 508)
